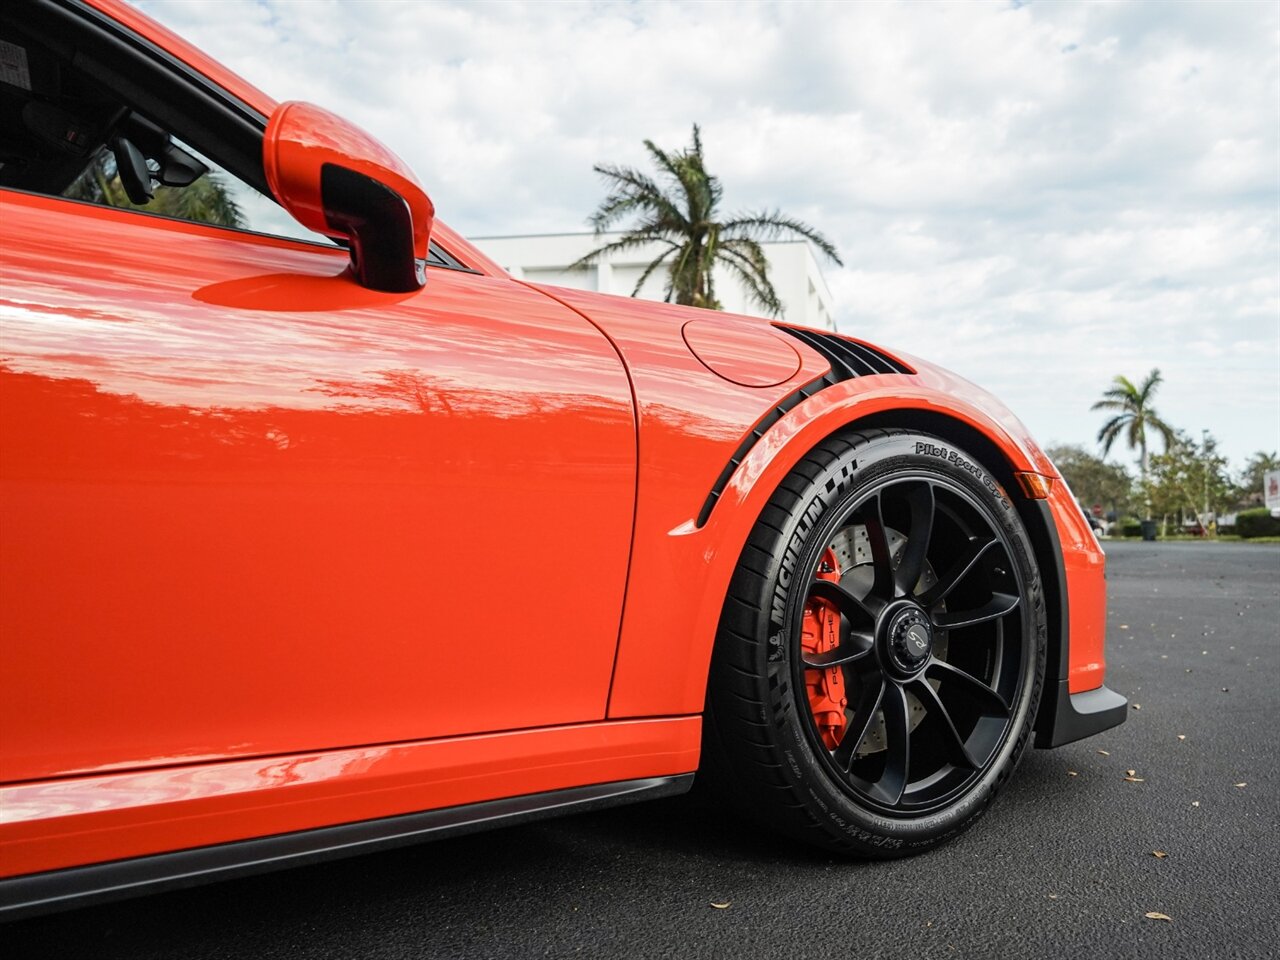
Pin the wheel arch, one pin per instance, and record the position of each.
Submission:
(1035, 516)
(851, 406)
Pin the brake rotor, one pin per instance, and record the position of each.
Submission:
(847, 561)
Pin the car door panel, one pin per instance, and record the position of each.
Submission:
(251, 508)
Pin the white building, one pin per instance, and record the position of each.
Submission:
(545, 258)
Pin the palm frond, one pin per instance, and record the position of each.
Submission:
(648, 271)
(1150, 385)
(1167, 433)
(631, 191)
(1110, 430)
(639, 238)
(759, 288)
(1110, 404)
(771, 226)
(679, 208)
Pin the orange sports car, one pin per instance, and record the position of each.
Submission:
(322, 533)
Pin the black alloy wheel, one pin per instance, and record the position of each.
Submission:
(880, 656)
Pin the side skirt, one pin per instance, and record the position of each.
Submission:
(80, 886)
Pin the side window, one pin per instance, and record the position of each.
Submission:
(182, 184)
(66, 133)
(74, 129)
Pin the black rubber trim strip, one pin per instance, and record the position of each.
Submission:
(80, 886)
(1038, 519)
(848, 360)
(762, 425)
(1080, 715)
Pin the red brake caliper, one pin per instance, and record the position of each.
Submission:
(820, 632)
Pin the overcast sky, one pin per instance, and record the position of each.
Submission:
(1039, 196)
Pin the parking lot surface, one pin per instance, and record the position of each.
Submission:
(1064, 865)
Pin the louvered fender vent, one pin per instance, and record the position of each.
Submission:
(848, 359)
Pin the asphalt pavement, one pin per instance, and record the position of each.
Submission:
(1064, 865)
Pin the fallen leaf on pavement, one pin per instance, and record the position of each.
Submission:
(1153, 915)
(1072, 773)
(1195, 803)
(720, 906)
(1159, 854)
(1132, 773)
(1135, 780)
(1105, 753)
(1182, 736)
(1242, 784)
(1137, 706)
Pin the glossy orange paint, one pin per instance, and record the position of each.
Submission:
(59, 823)
(255, 518)
(751, 356)
(680, 572)
(1085, 565)
(239, 490)
(301, 138)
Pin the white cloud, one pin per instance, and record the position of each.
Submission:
(1039, 196)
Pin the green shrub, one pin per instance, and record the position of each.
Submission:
(1131, 528)
(1257, 523)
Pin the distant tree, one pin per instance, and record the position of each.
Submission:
(1250, 480)
(681, 215)
(1189, 477)
(1093, 479)
(1133, 415)
(207, 200)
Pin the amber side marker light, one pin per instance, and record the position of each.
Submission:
(1036, 486)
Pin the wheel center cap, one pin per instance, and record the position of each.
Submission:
(910, 639)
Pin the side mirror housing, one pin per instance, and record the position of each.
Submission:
(335, 179)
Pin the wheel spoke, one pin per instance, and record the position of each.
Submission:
(855, 647)
(957, 572)
(911, 566)
(881, 563)
(968, 686)
(999, 605)
(851, 606)
(897, 726)
(959, 753)
(864, 714)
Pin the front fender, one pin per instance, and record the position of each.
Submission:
(665, 650)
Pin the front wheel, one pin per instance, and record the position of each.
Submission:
(881, 652)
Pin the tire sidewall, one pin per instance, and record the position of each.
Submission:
(812, 521)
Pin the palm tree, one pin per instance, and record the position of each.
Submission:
(206, 200)
(1134, 414)
(682, 219)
